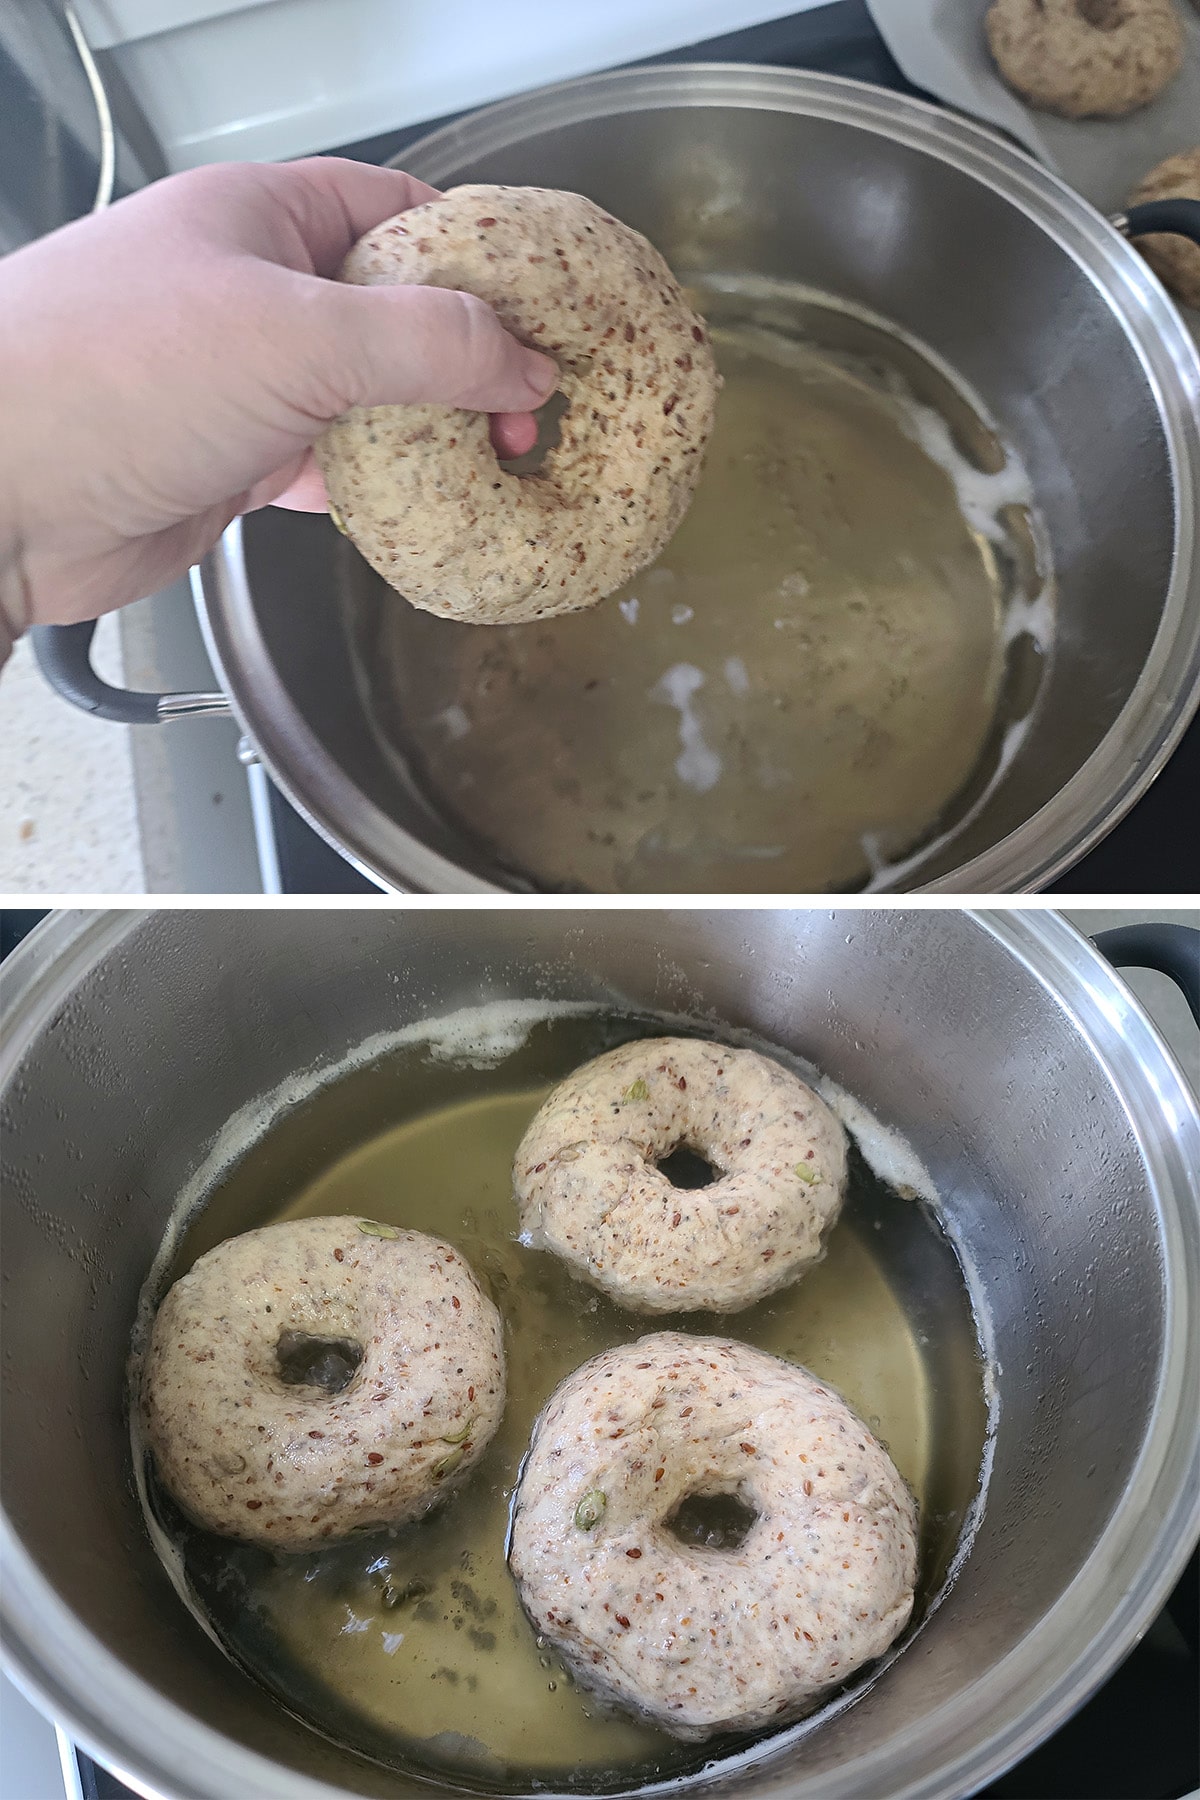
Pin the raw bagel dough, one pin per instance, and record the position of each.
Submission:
(588, 1186)
(703, 1640)
(1174, 259)
(294, 1466)
(418, 489)
(1101, 59)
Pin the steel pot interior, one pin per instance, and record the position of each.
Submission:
(942, 229)
(1063, 1140)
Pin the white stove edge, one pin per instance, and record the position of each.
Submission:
(291, 78)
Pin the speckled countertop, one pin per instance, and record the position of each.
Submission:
(88, 807)
(68, 815)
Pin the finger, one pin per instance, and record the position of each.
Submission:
(381, 346)
(270, 487)
(335, 200)
(513, 434)
(305, 215)
(304, 491)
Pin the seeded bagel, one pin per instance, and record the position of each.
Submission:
(319, 1377)
(589, 1187)
(418, 489)
(1086, 58)
(1174, 259)
(702, 1639)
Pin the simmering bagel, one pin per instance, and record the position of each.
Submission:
(589, 1187)
(418, 489)
(319, 1377)
(696, 1637)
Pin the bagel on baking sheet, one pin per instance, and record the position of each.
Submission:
(419, 489)
(589, 1188)
(1086, 58)
(704, 1638)
(1174, 258)
(318, 1377)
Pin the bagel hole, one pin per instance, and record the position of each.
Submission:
(306, 1360)
(549, 418)
(712, 1521)
(686, 1168)
(1103, 15)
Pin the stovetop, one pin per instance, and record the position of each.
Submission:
(1148, 852)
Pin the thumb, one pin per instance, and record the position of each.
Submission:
(395, 346)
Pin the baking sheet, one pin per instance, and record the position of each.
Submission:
(940, 46)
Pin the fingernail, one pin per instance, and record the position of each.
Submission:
(541, 372)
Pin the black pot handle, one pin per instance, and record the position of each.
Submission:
(1179, 216)
(1173, 950)
(63, 654)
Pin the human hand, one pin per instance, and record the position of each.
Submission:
(167, 365)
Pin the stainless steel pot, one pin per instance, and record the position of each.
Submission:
(943, 229)
(1063, 1138)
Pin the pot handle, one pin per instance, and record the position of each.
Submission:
(63, 654)
(1179, 216)
(1173, 950)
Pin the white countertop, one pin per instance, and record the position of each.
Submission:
(68, 820)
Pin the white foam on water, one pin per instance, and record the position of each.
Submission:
(890, 1156)
(981, 500)
(793, 587)
(680, 614)
(629, 609)
(885, 872)
(698, 766)
(482, 1037)
(737, 675)
(455, 720)
(981, 497)
(1034, 617)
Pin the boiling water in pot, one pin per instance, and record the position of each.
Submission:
(412, 1647)
(818, 677)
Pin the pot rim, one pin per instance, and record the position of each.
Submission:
(1167, 692)
(1060, 1661)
